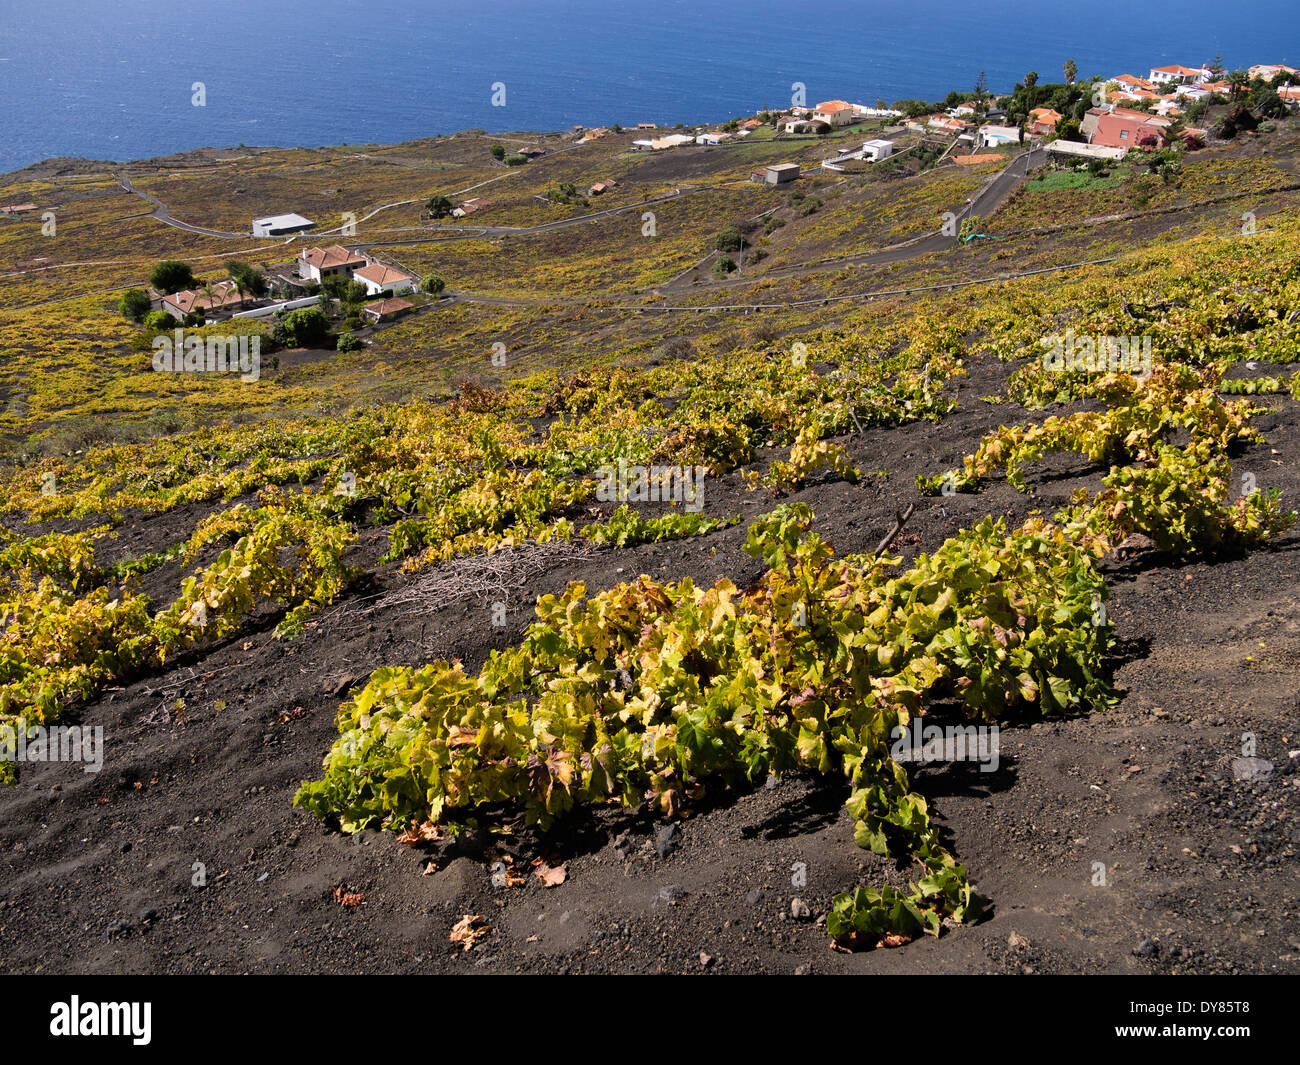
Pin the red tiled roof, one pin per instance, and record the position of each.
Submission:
(379, 274)
(327, 258)
(188, 301)
(392, 305)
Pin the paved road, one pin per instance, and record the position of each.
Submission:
(161, 213)
(985, 202)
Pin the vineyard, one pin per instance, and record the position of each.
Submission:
(894, 513)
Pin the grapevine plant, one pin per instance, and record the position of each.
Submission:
(660, 692)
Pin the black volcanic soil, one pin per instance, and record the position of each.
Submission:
(96, 870)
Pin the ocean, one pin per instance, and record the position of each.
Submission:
(107, 80)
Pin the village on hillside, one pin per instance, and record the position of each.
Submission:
(1072, 124)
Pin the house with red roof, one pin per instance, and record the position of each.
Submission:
(224, 297)
(1118, 128)
(1269, 71)
(316, 264)
(1043, 120)
(380, 277)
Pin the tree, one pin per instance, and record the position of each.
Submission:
(349, 342)
(497, 152)
(1269, 104)
(516, 160)
(304, 327)
(171, 276)
(159, 321)
(250, 279)
(439, 206)
(981, 91)
(1216, 68)
(723, 267)
(1238, 82)
(134, 304)
(730, 239)
(433, 284)
(1071, 71)
(1031, 79)
(563, 192)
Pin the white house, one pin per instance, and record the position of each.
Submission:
(876, 150)
(996, 136)
(377, 277)
(795, 125)
(1179, 75)
(316, 264)
(712, 137)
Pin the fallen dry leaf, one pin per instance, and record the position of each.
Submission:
(894, 939)
(349, 898)
(425, 833)
(469, 930)
(550, 875)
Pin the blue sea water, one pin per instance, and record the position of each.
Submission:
(109, 79)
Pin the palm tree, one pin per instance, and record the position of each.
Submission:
(1071, 71)
(1238, 82)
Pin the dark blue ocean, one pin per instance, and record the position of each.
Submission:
(111, 79)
